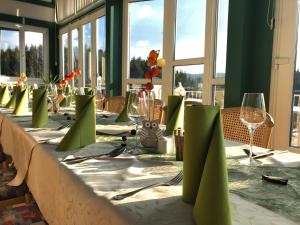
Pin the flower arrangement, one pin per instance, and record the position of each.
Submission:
(68, 78)
(155, 65)
(22, 79)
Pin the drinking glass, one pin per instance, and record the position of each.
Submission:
(253, 114)
(137, 107)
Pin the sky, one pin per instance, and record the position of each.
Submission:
(146, 30)
(11, 38)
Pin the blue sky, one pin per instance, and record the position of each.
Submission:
(11, 38)
(146, 29)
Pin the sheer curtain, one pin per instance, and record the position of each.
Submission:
(83, 3)
(65, 8)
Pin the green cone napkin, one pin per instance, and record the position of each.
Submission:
(83, 131)
(39, 108)
(66, 101)
(4, 95)
(205, 174)
(174, 113)
(123, 117)
(21, 101)
(12, 101)
(88, 91)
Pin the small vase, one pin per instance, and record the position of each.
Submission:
(150, 96)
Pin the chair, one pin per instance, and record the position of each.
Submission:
(164, 115)
(158, 110)
(114, 104)
(235, 130)
(28, 213)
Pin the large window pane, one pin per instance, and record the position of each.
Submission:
(145, 33)
(65, 54)
(10, 53)
(190, 29)
(101, 53)
(189, 80)
(87, 54)
(34, 54)
(75, 52)
(221, 38)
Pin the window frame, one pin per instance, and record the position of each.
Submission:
(22, 29)
(89, 18)
(168, 51)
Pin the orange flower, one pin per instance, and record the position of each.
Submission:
(149, 86)
(155, 71)
(154, 54)
(150, 62)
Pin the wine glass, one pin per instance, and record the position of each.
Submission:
(137, 108)
(253, 114)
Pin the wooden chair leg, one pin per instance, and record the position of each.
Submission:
(13, 201)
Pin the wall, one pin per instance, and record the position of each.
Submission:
(249, 50)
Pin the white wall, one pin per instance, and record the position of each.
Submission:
(27, 10)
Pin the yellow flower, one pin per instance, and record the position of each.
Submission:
(161, 62)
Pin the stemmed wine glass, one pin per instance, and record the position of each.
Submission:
(137, 108)
(253, 114)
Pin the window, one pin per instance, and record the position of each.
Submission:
(86, 49)
(34, 54)
(87, 54)
(100, 23)
(65, 57)
(190, 29)
(10, 52)
(23, 49)
(191, 35)
(191, 79)
(146, 33)
(75, 52)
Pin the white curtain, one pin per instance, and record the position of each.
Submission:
(83, 3)
(65, 8)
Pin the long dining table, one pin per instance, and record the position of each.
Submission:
(82, 193)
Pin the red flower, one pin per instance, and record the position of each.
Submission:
(149, 86)
(153, 55)
(155, 71)
(67, 78)
(148, 74)
(78, 72)
(71, 75)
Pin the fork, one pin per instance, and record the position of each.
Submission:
(176, 180)
(114, 153)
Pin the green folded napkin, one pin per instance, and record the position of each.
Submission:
(205, 174)
(123, 117)
(4, 95)
(174, 113)
(88, 91)
(12, 101)
(39, 108)
(21, 101)
(67, 90)
(66, 101)
(83, 131)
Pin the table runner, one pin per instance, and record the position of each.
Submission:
(142, 208)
